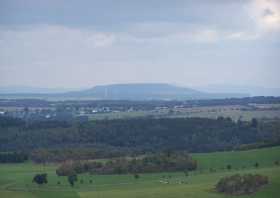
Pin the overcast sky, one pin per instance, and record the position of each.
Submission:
(71, 43)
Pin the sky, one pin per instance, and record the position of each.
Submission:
(70, 43)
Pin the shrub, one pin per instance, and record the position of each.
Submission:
(256, 165)
(229, 167)
(136, 176)
(40, 179)
(186, 172)
(241, 184)
(72, 179)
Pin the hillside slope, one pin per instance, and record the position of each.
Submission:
(147, 91)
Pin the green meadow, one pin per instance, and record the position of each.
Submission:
(16, 179)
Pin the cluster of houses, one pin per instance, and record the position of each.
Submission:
(52, 113)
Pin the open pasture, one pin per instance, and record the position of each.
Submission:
(16, 179)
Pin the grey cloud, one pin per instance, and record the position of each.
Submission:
(100, 42)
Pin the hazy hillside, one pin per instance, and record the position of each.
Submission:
(138, 91)
(146, 91)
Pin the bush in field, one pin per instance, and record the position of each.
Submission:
(186, 173)
(72, 179)
(40, 179)
(241, 184)
(136, 176)
(256, 165)
(229, 167)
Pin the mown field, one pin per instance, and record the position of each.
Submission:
(15, 179)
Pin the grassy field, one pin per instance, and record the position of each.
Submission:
(238, 159)
(15, 179)
(234, 112)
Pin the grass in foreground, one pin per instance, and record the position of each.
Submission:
(15, 179)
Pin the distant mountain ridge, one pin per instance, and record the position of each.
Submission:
(138, 91)
(134, 91)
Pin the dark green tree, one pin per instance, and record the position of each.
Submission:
(72, 179)
(186, 172)
(256, 165)
(40, 179)
(229, 167)
(254, 123)
(136, 176)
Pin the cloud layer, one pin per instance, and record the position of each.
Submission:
(201, 44)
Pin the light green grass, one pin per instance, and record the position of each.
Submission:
(15, 179)
(238, 159)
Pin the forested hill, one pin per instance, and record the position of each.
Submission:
(191, 134)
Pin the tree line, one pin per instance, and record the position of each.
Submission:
(13, 157)
(143, 105)
(111, 138)
(162, 162)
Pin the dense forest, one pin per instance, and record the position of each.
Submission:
(51, 140)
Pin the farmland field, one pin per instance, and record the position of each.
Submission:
(15, 179)
(234, 112)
